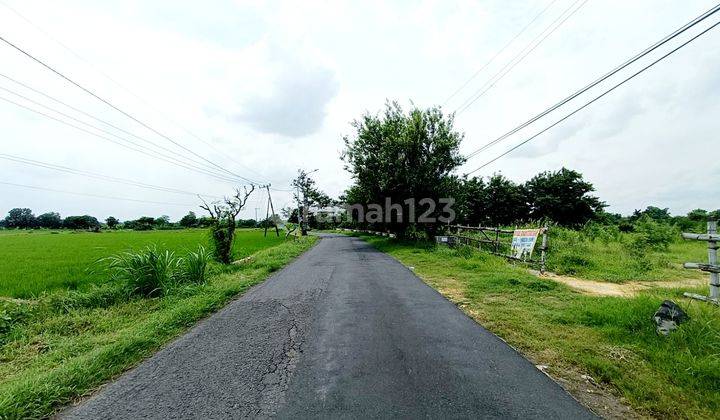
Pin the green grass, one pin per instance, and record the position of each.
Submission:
(598, 257)
(66, 343)
(35, 261)
(612, 339)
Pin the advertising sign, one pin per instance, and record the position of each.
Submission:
(523, 242)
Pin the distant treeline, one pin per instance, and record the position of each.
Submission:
(562, 197)
(23, 218)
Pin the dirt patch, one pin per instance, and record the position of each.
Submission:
(452, 289)
(628, 289)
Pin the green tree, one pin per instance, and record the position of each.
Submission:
(506, 202)
(656, 213)
(204, 222)
(399, 156)
(163, 222)
(308, 195)
(81, 222)
(49, 220)
(247, 223)
(495, 202)
(563, 197)
(698, 215)
(20, 218)
(190, 220)
(112, 222)
(472, 201)
(143, 223)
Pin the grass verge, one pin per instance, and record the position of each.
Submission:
(66, 344)
(611, 339)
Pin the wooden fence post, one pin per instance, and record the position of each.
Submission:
(497, 240)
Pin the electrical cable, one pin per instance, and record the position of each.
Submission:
(595, 99)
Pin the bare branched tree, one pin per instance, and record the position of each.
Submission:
(223, 215)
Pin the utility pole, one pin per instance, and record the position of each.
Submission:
(299, 216)
(712, 238)
(270, 206)
(267, 215)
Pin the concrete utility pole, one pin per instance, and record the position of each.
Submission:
(270, 206)
(299, 216)
(712, 267)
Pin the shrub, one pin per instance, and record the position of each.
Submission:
(653, 235)
(605, 233)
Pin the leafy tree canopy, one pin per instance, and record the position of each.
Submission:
(49, 220)
(112, 222)
(562, 196)
(399, 155)
(81, 222)
(20, 218)
(189, 220)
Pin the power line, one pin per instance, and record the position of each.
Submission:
(521, 56)
(80, 111)
(497, 54)
(108, 103)
(595, 99)
(33, 187)
(187, 161)
(136, 96)
(88, 174)
(601, 79)
(147, 153)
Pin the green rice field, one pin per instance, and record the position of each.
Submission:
(32, 262)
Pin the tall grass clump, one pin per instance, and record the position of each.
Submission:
(150, 271)
(193, 268)
(146, 272)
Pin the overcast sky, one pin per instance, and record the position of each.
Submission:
(275, 85)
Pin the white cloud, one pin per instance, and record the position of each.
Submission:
(295, 104)
(250, 77)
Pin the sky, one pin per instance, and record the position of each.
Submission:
(263, 89)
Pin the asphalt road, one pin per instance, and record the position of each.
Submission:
(343, 332)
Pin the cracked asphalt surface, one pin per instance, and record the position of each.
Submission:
(343, 332)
